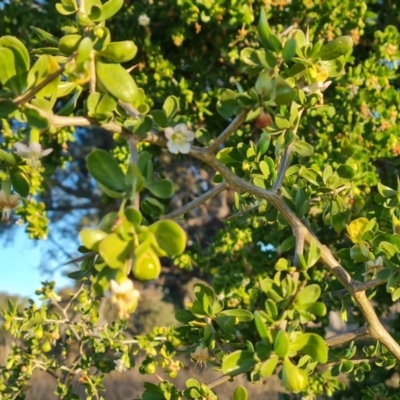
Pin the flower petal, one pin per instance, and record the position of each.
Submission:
(169, 132)
(114, 286)
(190, 136)
(46, 152)
(173, 147)
(184, 148)
(22, 149)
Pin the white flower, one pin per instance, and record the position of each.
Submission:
(120, 366)
(33, 152)
(201, 357)
(373, 266)
(124, 296)
(316, 87)
(54, 297)
(7, 203)
(20, 222)
(144, 20)
(179, 139)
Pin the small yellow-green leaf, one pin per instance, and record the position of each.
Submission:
(238, 362)
(170, 236)
(294, 379)
(115, 251)
(281, 344)
(268, 367)
(91, 238)
(356, 228)
(313, 345)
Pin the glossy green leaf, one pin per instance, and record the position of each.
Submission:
(114, 79)
(268, 367)
(238, 362)
(303, 149)
(239, 314)
(105, 169)
(19, 182)
(115, 251)
(308, 295)
(163, 189)
(312, 345)
(294, 379)
(281, 344)
(240, 393)
(91, 238)
(160, 118)
(152, 207)
(110, 8)
(171, 106)
(170, 236)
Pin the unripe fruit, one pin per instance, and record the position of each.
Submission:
(38, 332)
(173, 374)
(150, 368)
(46, 347)
(147, 266)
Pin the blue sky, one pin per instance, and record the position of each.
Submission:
(19, 265)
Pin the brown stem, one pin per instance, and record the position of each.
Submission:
(195, 203)
(227, 132)
(347, 337)
(25, 98)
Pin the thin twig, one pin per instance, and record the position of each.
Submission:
(285, 163)
(195, 203)
(219, 381)
(227, 132)
(347, 337)
(25, 98)
(92, 66)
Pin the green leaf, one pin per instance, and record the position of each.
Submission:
(116, 80)
(261, 327)
(170, 236)
(152, 207)
(313, 345)
(35, 120)
(184, 316)
(268, 367)
(91, 238)
(241, 315)
(141, 126)
(303, 149)
(289, 50)
(105, 169)
(240, 393)
(160, 118)
(346, 172)
(7, 108)
(314, 253)
(308, 295)
(110, 8)
(18, 48)
(115, 251)
(294, 379)
(19, 182)
(8, 158)
(282, 122)
(281, 343)
(8, 69)
(336, 48)
(238, 362)
(171, 106)
(46, 36)
(164, 188)
(356, 228)
(133, 215)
